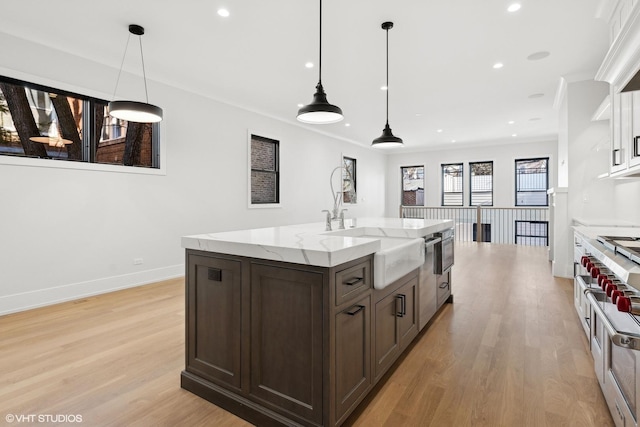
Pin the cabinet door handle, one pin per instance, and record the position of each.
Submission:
(353, 281)
(401, 305)
(354, 310)
(444, 285)
(214, 274)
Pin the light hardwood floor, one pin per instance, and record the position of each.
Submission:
(508, 352)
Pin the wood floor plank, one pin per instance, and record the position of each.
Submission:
(509, 352)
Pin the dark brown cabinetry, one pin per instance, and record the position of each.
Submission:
(279, 343)
(214, 324)
(396, 321)
(287, 344)
(353, 354)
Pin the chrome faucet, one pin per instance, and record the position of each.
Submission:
(341, 224)
(328, 221)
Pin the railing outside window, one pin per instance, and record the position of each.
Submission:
(501, 224)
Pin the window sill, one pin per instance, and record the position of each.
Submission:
(66, 164)
(265, 206)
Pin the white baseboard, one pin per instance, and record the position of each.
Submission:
(43, 297)
(562, 270)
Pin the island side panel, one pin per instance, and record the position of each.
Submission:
(287, 339)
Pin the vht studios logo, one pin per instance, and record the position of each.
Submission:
(43, 418)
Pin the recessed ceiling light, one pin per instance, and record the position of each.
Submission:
(418, 114)
(300, 105)
(498, 65)
(511, 122)
(347, 124)
(536, 95)
(309, 65)
(514, 134)
(514, 7)
(453, 140)
(538, 55)
(223, 12)
(439, 131)
(383, 88)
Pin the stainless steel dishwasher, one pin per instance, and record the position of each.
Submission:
(427, 298)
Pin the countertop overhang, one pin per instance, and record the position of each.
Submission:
(311, 244)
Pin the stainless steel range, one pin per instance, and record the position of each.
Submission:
(607, 298)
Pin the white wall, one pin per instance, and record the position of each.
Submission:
(67, 233)
(503, 157)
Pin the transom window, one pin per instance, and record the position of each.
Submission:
(452, 184)
(43, 122)
(481, 183)
(532, 182)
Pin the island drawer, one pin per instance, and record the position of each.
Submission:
(353, 281)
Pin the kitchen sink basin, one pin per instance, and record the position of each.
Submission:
(397, 255)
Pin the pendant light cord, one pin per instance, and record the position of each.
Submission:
(124, 55)
(144, 74)
(320, 50)
(387, 76)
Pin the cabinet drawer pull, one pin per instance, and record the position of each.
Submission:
(353, 281)
(444, 285)
(401, 305)
(355, 310)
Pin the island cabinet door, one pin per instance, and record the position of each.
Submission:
(353, 354)
(287, 340)
(213, 316)
(387, 339)
(408, 318)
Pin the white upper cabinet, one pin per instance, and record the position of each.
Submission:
(619, 67)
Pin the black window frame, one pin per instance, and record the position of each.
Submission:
(402, 190)
(442, 192)
(275, 172)
(471, 192)
(346, 179)
(89, 145)
(532, 159)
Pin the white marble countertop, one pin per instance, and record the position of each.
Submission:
(310, 244)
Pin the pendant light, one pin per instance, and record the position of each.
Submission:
(320, 111)
(133, 111)
(387, 140)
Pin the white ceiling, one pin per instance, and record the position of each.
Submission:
(441, 58)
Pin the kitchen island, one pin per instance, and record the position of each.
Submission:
(284, 325)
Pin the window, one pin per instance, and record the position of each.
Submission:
(481, 183)
(532, 182)
(265, 173)
(412, 185)
(452, 184)
(349, 194)
(42, 122)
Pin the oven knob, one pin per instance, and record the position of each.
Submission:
(605, 283)
(594, 272)
(624, 304)
(610, 288)
(584, 260)
(615, 294)
(601, 277)
(589, 266)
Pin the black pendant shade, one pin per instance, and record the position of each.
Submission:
(320, 111)
(134, 111)
(387, 139)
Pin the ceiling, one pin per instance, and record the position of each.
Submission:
(441, 58)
